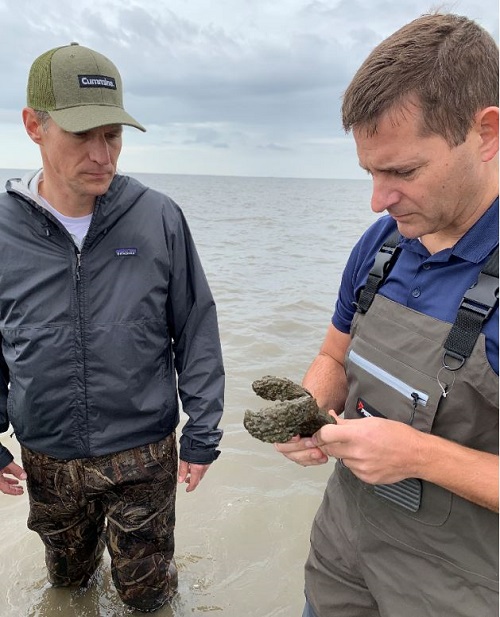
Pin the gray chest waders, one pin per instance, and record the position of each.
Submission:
(476, 307)
(412, 368)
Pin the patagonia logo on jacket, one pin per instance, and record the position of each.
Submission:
(126, 252)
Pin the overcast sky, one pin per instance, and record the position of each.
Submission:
(226, 87)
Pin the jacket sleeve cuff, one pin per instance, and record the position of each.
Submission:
(5, 457)
(192, 452)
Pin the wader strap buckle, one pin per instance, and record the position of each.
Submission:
(384, 261)
(406, 493)
(476, 307)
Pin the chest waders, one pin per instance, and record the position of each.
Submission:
(412, 549)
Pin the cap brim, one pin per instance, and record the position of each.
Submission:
(87, 117)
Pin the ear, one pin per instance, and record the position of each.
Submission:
(487, 127)
(32, 125)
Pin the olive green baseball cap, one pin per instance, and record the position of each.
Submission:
(79, 88)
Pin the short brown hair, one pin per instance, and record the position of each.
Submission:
(446, 63)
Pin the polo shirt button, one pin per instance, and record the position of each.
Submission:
(416, 292)
(426, 266)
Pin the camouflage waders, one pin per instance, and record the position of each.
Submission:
(126, 500)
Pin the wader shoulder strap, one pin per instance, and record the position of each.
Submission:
(477, 305)
(384, 262)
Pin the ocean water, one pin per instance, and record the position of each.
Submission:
(273, 250)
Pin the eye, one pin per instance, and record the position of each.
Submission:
(405, 173)
(113, 135)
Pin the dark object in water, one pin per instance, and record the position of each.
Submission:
(297, 413)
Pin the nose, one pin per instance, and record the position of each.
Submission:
(99, 150)
(384, 194)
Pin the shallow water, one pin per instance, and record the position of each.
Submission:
(273, 251)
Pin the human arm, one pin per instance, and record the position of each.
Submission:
(10, 472)
(381, 451)
(326, 381)
(193, 326)
(8, 485)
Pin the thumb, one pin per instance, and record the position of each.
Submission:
(336, 417)
(17, 471)
(183, 471)
(316, 439)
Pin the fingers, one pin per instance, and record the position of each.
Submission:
(182, 472)
(332, 435)
(15, 470)
(302, 451)
(289, 446)
(309, 458)
(333, 413)
(191, 474)
(10, 480)
(10, 485)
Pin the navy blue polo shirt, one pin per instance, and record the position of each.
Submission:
(431, 284)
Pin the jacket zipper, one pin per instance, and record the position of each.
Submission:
(416, 396)
(78, 267)
(80, 334)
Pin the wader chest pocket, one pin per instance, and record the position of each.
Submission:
(395, 390)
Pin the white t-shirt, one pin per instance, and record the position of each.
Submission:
(77, 226)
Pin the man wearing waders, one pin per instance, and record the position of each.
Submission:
(408, 525)
(107, 327)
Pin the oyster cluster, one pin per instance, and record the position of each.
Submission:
(296, 413)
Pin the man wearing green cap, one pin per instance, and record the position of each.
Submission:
(106, 320)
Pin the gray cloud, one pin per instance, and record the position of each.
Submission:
(240, 74)
(275, 147)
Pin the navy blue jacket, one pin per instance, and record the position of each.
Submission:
(97, 346)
